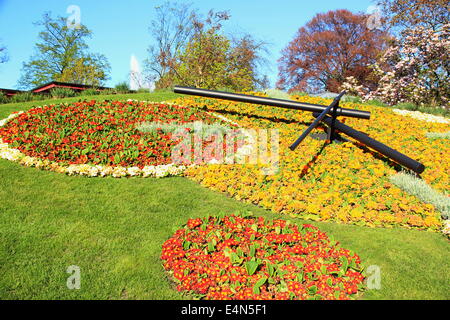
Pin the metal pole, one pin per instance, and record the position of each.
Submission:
(333, 106)
(287, 104)
(376, 145)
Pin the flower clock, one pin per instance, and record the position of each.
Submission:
(98, 138)
(246, 258)
(345, 182)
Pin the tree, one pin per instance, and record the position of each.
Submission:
(404, 14)
(62, 56)
(171, 30)
(197, 53)
(89, 70)
(415, 68)
(246, 55)
(327, 50)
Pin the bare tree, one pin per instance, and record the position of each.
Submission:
(171, 29)
(404, 14)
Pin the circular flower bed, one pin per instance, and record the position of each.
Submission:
(97, 138)
(246, 258)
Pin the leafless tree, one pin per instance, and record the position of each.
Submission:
(404, 14)
(171, 29)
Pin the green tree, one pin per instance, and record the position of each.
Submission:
(212, 60)
(62, 55)
(89, 70)
(203, 64)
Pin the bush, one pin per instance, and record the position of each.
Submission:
(3, 98)
(90, 92)
(122, 87)
(143, 90)
(299, 93)
(277, 94)
(23, 97)
(108, 92)
(59, 93)
(407, 106)
(376, 102)
(352, 99)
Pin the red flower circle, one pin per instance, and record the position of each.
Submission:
(248, 258)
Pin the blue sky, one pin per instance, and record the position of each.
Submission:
(120, 28)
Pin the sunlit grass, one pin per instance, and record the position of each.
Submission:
(113, 230)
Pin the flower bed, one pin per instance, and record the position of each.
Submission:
(246, 258)
(346, 183)
(97, 138)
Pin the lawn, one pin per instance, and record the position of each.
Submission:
(113, 230)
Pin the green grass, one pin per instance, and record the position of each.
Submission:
(113, 230)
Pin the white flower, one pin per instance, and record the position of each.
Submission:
(446, 229)
(119, 172)
(422, 116)
(134, 171)
(84, 169)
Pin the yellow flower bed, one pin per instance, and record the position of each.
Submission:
(346, 182)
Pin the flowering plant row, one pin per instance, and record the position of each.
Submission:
(97, 138)
(245, 258)
(346, 183)
(422, 116)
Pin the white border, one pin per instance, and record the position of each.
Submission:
(16, 155)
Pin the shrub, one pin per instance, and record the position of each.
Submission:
(277, 94)
(23, 97)
(413, 69)
(298, 93)
(352, 99)
(90, 92)
(3, 98)
(122, 87)
(376, 102)
(109, 92)
(143, 90)
(58, 93)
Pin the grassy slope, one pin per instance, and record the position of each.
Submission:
(113, 229)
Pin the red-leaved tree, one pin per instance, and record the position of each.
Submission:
(328, 49)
